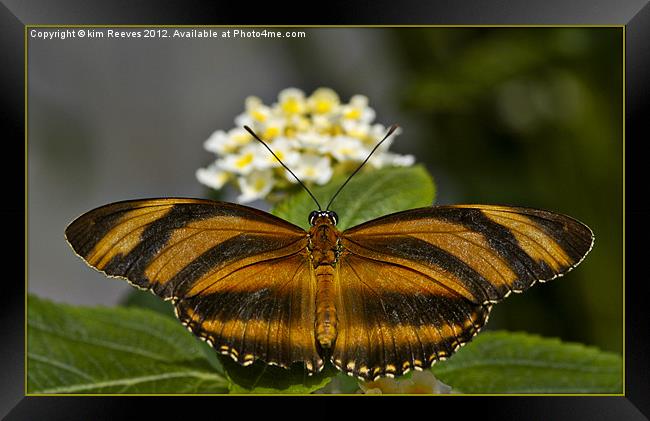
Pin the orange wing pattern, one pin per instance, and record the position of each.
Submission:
(239, 278)
(416, 285)
(393, 318)
(409, 288)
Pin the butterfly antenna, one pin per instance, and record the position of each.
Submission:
(390, 132)
(249, 130)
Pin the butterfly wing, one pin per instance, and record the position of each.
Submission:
(239, 278)
(416, 285)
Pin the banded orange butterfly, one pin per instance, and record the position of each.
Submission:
(390, 295)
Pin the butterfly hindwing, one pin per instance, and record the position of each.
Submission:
(394, 319)
(238, 277)
(262, 311)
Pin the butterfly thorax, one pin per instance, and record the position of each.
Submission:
(324, 247)
(323, 242)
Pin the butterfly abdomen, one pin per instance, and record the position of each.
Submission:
(326, 318)
(324, 240)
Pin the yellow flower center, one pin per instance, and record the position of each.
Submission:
(336, 130)
(271, 132)
(244, 161)
(291, 106)
(259, 184)
(258, 115)
(359, 134)
(323, 106)
(230, 148)
(353, 113)
(290, 132)
(241, 138)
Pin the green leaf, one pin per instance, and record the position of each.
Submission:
(258, 378)
(82, 350)
(341, 384)
(505, 362)
(79, 350)
(367, 196)
(146, 300)
(268, 379)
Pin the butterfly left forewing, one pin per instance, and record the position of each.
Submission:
(434, 272)
(238, 277)
(169, 245)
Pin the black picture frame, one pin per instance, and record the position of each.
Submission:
(635, 15)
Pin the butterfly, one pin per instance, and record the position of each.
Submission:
(390, 295)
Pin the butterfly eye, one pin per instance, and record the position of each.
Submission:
(312, 216)
(334, 217)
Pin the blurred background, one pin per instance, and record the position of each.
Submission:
(520, 116)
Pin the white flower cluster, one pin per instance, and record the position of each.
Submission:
(316, 136)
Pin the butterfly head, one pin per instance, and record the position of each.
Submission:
(316, 217)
